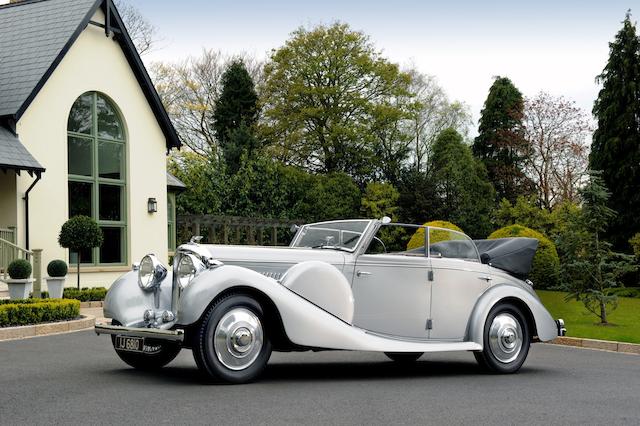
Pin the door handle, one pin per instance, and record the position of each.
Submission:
(362, 273)
(485, 278)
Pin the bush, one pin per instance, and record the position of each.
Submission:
(624, 292)
(57, 268)
(36, 311)
(19, 269)
(436, 236)
(86, 294)
(635, 244)
(546, 263)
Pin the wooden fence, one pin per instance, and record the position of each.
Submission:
(235, 230)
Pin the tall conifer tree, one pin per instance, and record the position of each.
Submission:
(500, 143)
(616, 143)
(234, 115)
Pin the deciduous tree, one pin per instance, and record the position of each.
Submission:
(556, 131)
(325, 92)
(142, 32)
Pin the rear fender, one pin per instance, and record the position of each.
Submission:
(546, 327)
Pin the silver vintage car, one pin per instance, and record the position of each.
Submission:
(359, 285)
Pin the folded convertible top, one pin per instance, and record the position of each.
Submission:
(512, 255)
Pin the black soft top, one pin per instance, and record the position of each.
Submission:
(512, 255)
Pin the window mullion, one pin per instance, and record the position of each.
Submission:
(96, 191)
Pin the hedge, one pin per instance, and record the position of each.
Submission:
(546, 263)
(435, 236)
(96, 294)
(36, 311)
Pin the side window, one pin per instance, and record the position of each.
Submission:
(400, 240)
(452, 245)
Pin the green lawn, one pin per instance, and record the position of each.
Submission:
(624, 321)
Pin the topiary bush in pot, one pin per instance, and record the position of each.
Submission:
(546, 263)
(19, 269)
(20, 283)
(57, 270)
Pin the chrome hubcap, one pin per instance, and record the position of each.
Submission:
(505, 338)
(238, 338)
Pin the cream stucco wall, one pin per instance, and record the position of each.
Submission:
(8, 199)
(94, 63)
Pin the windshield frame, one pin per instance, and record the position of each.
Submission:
(356, 246)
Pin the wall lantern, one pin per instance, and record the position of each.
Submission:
(152, 205)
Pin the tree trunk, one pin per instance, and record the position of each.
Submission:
(78, 272)
(603, 313)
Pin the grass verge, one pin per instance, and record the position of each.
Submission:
(624, 321)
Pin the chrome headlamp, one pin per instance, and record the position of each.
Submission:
(189, 266)
(151, 272)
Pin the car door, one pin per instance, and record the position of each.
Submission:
(459, 278)
(391, 288)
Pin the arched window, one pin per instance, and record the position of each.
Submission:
(97, 177)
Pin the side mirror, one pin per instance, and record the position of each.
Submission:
(385, 220)
(294, 228)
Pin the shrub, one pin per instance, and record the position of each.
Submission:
(624, 292)
(436, 236)
(86, 294)
(635, 244)
(35, 311)
(546, 263)
(57, 268)
(79, 233)
(19, 269)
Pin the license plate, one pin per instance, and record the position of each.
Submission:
(130, 344)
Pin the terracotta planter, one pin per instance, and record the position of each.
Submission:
(19, 289)
(55, 287)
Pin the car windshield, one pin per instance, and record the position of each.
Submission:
(340, 235)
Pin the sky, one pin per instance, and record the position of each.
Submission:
(556, 46)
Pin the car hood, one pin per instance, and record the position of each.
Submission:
(272, 261)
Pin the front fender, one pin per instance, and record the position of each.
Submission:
(545, 324)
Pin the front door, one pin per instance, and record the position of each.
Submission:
(391, 285)
(459, 278)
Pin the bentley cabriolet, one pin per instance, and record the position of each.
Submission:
(358, 285)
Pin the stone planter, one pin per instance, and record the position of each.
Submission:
(55, 287)
(19, 289)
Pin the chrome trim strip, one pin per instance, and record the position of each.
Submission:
(153, 333)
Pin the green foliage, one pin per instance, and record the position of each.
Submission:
(579, 324)
(635, 244)
(235, 113)
(263, 188)
(379, 200)
(526, 212)
(616, 142)
(546, 263)
(500, 143)
(35, 311)
(591, 267)
(330, 99)
(463, 193)
(57, 268)
(417, 240)
(79, 233)
(19, 269)
(85, 294)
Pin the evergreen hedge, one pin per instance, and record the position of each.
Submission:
(435, 236)
(546, 263)
(35, 311)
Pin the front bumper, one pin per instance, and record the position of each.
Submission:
(149, 333)
(562, 331)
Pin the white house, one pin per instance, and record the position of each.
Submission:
(82, 131)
